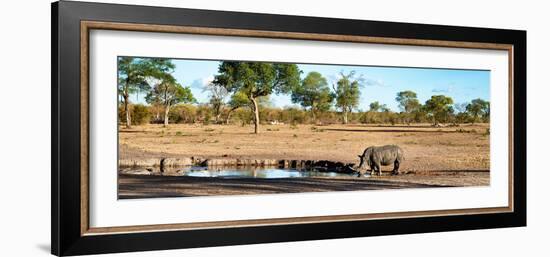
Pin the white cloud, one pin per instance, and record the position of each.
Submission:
(207, 80)
(200, 83)
(371, 82)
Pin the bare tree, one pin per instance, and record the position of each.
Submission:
(218, 93)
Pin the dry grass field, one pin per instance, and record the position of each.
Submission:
(426, 148)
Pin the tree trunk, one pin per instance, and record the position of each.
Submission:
(228, 118)
(219, 111)
(345, 116)
(127, 111)
(256, 115)
(166, 111)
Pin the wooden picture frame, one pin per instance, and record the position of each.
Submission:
(71, 24)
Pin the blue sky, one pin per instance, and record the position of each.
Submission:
(380, 83)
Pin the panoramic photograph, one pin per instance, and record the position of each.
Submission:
(224, 127)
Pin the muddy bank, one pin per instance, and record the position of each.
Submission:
(143, 186)
(155, 165)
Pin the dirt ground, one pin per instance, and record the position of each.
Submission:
(464, 148)
(146, 186)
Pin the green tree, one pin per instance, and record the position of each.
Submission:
(313, 94)
(408, 102)
(374, 106)
(347, 94)
(439, 107)
(168, 93)
(478, 108)
(134, 74)
(384, 108)
(257, 79)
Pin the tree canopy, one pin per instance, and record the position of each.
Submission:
(314, 93)
(256, 79)
(135, 73)
(167, 93)
(408, 103)
(439, 107)
(347, 94)
(478, 108)
(374, 106)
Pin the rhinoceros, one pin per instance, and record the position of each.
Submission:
(376, 156)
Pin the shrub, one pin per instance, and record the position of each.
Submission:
(121, 114)
(244, 116)
(204, 114)
(294, 115)
(183, 113)
(140, 114)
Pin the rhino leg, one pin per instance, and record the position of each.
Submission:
(375, 168)
(395, 168)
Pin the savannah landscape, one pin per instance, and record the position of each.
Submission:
(444, 143)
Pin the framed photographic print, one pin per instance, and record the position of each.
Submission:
(179, 128)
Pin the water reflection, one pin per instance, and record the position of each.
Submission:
(256, 173)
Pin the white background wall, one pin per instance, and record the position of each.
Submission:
(25, 127)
